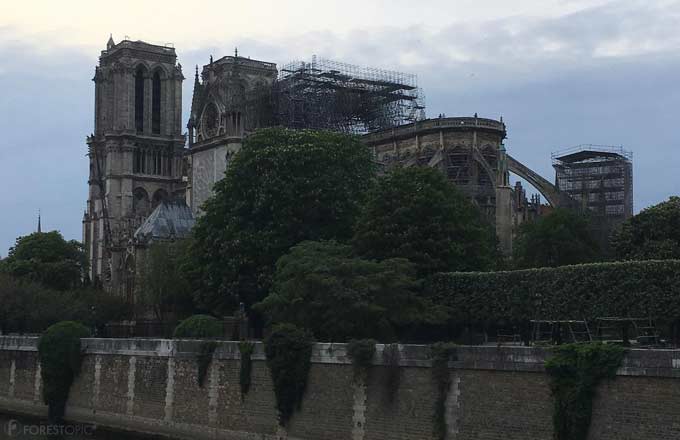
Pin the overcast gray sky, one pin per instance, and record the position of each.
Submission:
(561, 73)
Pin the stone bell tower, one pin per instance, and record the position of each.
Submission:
(135, 153)
(233, 100)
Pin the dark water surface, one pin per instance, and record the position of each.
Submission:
(26, 428)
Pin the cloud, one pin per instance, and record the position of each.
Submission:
(601, 74)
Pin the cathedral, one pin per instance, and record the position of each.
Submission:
(148, 178)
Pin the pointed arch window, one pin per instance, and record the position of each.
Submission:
(139, 99)
(156, 104)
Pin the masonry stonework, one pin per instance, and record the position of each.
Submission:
(150, 386)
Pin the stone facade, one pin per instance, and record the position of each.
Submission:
(498, 393)
(470, 152)
(136, 153)
(228, 104)
(138, 157)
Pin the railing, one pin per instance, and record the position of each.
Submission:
(232, 328)
(616, 149)
(436, 123)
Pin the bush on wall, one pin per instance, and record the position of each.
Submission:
(575, 371)
(60, 358)
(246, 349)
(201, 327)
(361, 351)
(391, 358)
(289, 351)
(588, 291)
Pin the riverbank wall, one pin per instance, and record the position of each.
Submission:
(150, 386)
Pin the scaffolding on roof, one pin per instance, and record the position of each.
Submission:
(600, 179)
(326, 94)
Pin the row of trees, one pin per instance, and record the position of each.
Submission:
(43, 281)
(565, 237)
(303, 229)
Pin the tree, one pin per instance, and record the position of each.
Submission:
(164, 287)
(415, 213)
(322, 287)
(283, 187)
(29, 307)
(48, 259)
(654, 233)
(557, 239)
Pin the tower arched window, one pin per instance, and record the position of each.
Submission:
(156, 104)
(139, 100)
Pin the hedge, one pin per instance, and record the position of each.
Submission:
(628, 289)
(199, 327)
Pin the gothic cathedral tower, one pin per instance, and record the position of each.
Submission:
(135, 152)
(233, 100)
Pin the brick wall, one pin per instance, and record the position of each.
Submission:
(496, 393)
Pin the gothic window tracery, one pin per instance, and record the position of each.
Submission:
(156, 103)
(140, 201)
(210, 120)
(140, 75)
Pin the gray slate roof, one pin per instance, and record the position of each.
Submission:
(170, 220)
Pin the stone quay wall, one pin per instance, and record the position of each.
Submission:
(150, 386)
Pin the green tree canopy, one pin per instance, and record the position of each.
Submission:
(164, 288)
(557, 239)
(199, 327)
(48, 259)
(283, 187)
(654, 233)
(320, 286)
(29, 307)
(415, 213)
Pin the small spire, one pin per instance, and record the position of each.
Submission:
(196, 72)
(39, 226)
(110, 43)
(211, 59)
(475, 114)
(236, 52)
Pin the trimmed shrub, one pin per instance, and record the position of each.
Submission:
(575, 371)
(199, 327)
(60, 359)
(588, 291)
(289, 351)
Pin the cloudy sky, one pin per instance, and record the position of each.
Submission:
(561, 73)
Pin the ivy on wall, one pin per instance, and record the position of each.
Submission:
(575, 371)
(246, 349)
(361, 351)
(289, 351)
(391, 358)
(205, 355)
(201, 327)
(60, 356)
(441, 353)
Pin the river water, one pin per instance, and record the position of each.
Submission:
(26, 428)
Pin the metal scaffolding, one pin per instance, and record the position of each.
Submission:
(325, 94)
(600, 179)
